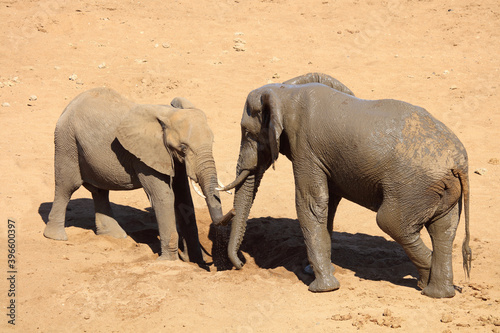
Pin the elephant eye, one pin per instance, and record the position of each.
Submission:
(250, 136)
(183, 148)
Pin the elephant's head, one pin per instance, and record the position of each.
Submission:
(261, 128)
(161, 136)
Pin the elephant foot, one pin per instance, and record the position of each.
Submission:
(116, 233)
(435, 291)
(423, 279)
(109, 227)
(171, 256)
(325, 284)
(55, 231)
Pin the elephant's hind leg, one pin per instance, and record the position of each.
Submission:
(67, 181)
(442, 232)
(406, 231)
(104, 221)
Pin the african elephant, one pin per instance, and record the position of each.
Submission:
(386, 155)
(105, 142)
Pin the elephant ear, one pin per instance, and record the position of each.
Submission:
(182, 103)
(141, 133)
(271, 108)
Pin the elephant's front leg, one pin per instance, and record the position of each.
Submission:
(169, 239)
(159, 189)
(312, 210)
(185, 216)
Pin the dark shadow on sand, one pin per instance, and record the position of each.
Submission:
(140, 225)
(279, 242)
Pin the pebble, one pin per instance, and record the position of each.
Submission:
(5, 104)
(446, 318)
(453, 87)
(481, 171)
(339, 317)
(33, 98)
(239, 48)
(73, 77)
(166, 45)
(239, 45)
(101, 66)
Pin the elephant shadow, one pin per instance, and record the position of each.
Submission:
(278, 242)
(140, 225)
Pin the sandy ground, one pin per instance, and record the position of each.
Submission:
(443, 57)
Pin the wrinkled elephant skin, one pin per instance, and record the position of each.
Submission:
(386, 155)
(105, 142)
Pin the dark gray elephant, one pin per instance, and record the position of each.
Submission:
(388, 156)
(104, 142)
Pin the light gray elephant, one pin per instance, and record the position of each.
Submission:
(386, 155)
(105, 142)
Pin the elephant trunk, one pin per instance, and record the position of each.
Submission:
(243, 200)
(207, 178)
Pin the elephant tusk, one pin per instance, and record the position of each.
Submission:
(222, 186)
(197, 189)
(242, 176)
(226, 218)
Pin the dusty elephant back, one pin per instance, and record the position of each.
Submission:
(320, 78)
(98, 110)
(378, 142)
(414, 133)
(90, 122)
(428, 142)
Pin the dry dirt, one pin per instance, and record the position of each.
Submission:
(443, 57)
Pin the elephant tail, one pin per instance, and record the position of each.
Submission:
(466, 250)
